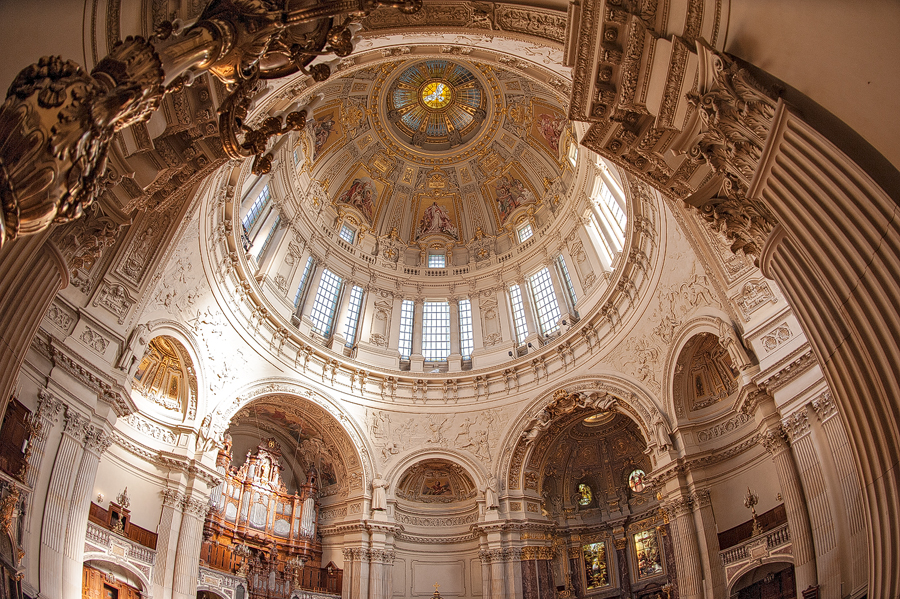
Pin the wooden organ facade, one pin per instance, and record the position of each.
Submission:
(259, 531)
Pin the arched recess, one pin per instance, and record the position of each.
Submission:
(120, 563)
(315, 407)
(715, 323)
(188, 347)
(541, 421)
(763, 563)
(473, 468)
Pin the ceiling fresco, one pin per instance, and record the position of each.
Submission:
(444, 150)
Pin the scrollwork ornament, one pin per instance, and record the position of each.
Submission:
(57, 122)
(775, 440)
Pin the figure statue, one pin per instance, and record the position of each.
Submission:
(379, 493)
(490, 494)
(128, 358)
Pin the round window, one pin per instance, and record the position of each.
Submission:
(636, 480)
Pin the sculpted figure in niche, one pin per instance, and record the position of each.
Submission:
(379, 493)
(490, 494)
(128, 359)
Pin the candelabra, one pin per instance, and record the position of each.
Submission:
(750, 502)
(57, 121)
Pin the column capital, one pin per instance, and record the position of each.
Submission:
(796, 425)
(172, 498)
(96, 440)
(775, 440)
(824, 406)
(75, 424)
(678, 506)
(195, 507)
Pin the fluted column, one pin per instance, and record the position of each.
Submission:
(713, 569)
(56, 506)
(187, 555)
(356, 573)
(97, 441)
(33, 271)
(162, 568)
(687, 557)
(381, 567)
(777, 444)
(850, 488)
(48, 411)
(818, 505)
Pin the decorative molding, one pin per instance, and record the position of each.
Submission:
(723, 428)
(777, 336)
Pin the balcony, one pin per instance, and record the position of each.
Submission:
(769, 546)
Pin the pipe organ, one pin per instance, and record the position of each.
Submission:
(257, 530)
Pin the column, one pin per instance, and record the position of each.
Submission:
(776, 443)
(622, 561)
(528, 309)
(380, 574)
(687, 557)
(455, 359)
(513, 562)
(393, 340)
(340, 316)
(713, 569)
(851, 491)
(356, 573)
(96, 442)
(56, 506)
(477, 329)
(187, 555)
(417, 362)
(164, 566)
(42, 421)
(818, 506)
(32, 270)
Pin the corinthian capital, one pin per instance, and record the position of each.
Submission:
(775, 440)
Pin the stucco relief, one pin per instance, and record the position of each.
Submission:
(475, 432)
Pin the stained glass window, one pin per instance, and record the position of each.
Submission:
(585, 495)
(636, 480)
(647, 554)
(596, 568)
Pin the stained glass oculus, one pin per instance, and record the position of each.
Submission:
(436, 104)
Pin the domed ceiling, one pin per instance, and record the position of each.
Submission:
(437, 150)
